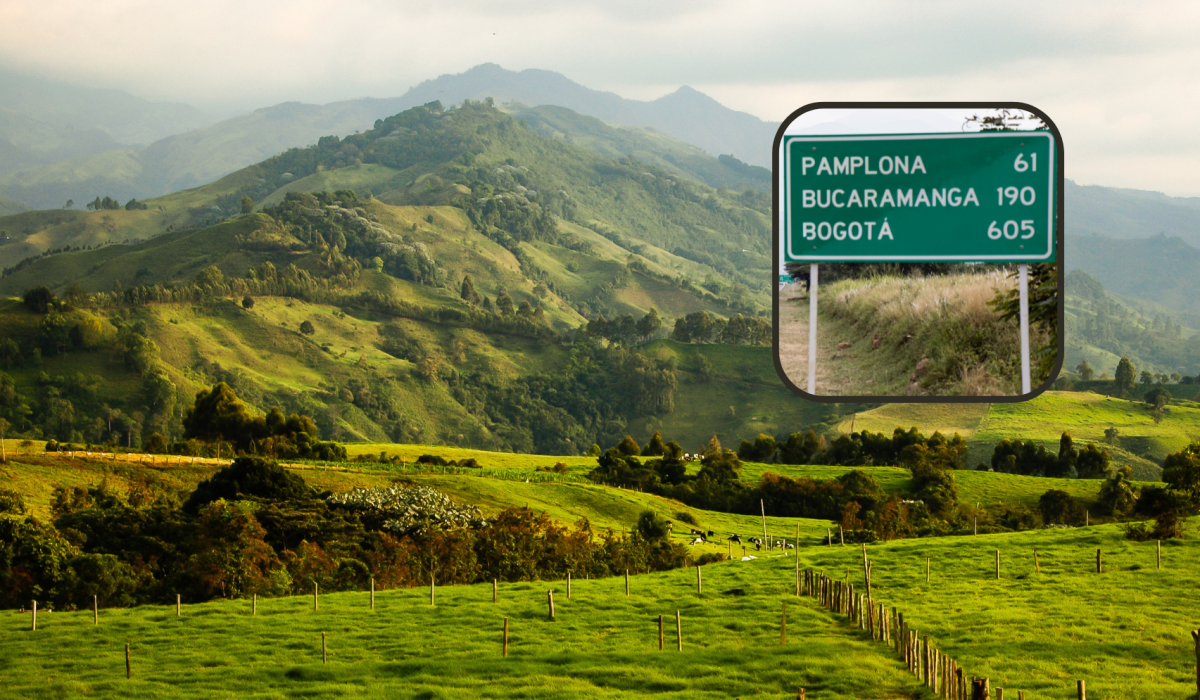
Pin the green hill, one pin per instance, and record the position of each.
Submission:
(1083, 414)
(9, 206)
(601, 637)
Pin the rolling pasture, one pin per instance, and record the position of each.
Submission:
(1123, 631)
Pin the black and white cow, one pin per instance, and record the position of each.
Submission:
(735, 538)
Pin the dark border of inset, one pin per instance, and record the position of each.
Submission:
(1059, 242)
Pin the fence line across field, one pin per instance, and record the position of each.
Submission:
(938, 671)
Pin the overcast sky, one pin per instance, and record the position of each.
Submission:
(1121, 79)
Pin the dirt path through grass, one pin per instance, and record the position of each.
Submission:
(857, 370)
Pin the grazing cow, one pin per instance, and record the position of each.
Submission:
(758, 545)
(791, 546)
(735, 538)
(710, 533)
(698, 540)
(697, 532)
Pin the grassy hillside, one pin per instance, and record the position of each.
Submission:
(646, 145)
(1083, 414)
(1103, 326)
(600, 640)
(600, 644)
(10, 206)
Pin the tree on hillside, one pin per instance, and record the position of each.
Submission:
(1085, 371)
(1158, 397)
(649, 324)
(39, 299)
(655, 447)
(218, 414)
(247, 204)
(247, 302)
(504, 303)
(1060, 508)
(1067, 456)
(1092, 463)
(249, 476)
(1181, 472)
(306, 327)
(468, 293)
(629, 447)
(1125, 377)
(1147, 378)
(1117, 495)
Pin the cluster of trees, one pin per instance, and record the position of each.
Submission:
(854, 498)
(219, 416)
(503, 306)
(1029, 458)
(703, 327)
(254, 528)
(565, 411)
(1106, 323)
(68, 407)
(624, 329)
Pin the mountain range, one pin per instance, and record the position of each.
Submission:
(50, 153)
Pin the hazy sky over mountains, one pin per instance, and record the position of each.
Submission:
(1122, 80)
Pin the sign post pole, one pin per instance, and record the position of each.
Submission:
(812, 328)
(1023, 275)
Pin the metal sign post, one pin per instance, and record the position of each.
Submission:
(812, 328)
(1023, 276)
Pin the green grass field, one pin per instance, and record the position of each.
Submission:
(1124, 631)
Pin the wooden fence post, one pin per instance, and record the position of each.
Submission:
(316, 596)
(800, 694)
(1099, 562)
(976, 524)
(95, 611)
(254, 605)
(626, 583)
(177, 606)
(980, 689)
(1036, 566)
(999, 693)
(1082, 689)
(432, 588)
(926, 569)
(1196, 639)
(372, 592)
(568, 585)
(660, 632)
(550, 600)
(128, 665)
(494, 591)
(783, 626)
(829, 536)
(678, 631)
(324, 658)
(997, 565)
(699, 581)
(841, 535)
(797, 571)
(506, 636)
(34, 628)
(1160, 554)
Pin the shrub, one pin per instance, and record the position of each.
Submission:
(249, 476)
(685, 517)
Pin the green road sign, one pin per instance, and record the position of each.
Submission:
(923, 198)
(785, 279)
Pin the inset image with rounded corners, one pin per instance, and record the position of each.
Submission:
(918, 248)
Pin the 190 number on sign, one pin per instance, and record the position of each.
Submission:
(1011, 229)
